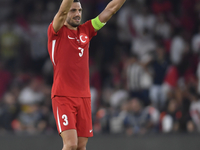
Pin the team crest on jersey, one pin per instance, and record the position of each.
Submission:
(84, 39)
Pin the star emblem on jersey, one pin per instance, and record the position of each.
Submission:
(83, 38)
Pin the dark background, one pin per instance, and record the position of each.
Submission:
(148, 45)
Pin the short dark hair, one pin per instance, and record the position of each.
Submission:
(76, 0)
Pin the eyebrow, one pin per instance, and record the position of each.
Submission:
(76, 9)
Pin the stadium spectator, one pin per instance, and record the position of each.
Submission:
(116, 122)
(32, 93)
(196, 42)
(10, 45)
(5, 78)
(143, 20)
(9, 109)
(161, 6)
(170, 117)
(177, 48)
(162, 27)
(137, 120)
(125, 29)
(138, 79)
(195, 110)
(159, 68)
(143, 46)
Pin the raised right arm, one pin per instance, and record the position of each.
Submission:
(61, 15)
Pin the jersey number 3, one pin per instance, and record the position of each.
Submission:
(81, 53)
(65, 123)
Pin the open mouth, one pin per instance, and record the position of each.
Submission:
(77, 18)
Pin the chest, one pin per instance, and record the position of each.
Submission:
(78, 37)
(74, 45)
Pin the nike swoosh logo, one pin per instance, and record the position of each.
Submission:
(70, 37)
(90, 131)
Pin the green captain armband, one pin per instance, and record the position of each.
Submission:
(97, 24)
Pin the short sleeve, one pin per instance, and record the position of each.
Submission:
(51, 32)
(90, 29)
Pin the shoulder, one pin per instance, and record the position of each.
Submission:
(52, 32)
(85, 25)
(88, 29)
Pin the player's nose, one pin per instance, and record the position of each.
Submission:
(78, 13)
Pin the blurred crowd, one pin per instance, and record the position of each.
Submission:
(144, 67)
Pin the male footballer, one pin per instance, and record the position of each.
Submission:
(68, 47)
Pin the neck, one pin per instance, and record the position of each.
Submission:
(70, 27)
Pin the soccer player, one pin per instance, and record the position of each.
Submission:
(68, 47)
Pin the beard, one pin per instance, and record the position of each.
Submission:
(73, 23)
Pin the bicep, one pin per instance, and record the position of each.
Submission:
(58, 21)
(105, 15)
(110, 10)
(61, 15)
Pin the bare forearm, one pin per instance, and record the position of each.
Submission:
(61, 15)
(65, 6)
(115, 5)
(110, 10)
